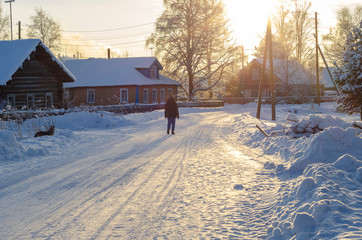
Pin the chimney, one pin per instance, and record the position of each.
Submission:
(109, 53)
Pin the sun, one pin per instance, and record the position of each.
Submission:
(248, 20)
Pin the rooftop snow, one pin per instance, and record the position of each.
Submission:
(14, 53)
(113, 72)
(293, 69)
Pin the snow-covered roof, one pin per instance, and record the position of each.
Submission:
(290, 71)
(95, 72)
(14, 53)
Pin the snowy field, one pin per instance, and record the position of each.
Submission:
(103, 176)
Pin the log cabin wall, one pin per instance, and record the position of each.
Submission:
(37, 84)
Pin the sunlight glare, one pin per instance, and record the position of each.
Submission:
(248, 20)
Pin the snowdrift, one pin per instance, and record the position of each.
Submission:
(322, 165)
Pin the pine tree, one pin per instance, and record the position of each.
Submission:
(349, 75)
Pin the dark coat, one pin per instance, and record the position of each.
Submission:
(171, 109)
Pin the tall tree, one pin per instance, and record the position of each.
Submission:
(45, 28)
(4, 24)
(293, 29)
(284, 30)
(335, 40)
(193, 41)
(349, 75)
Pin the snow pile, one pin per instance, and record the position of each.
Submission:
(324, 147)
(324, 195)
(313, 124)
(13, 146)
(9, 146)
(77, 121)
(322, 168)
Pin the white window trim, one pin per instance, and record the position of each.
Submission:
(255, 74)
(13, 104)
(247, 93)
(120, 92)
(266, 92)
(94, 95)
(47, 105)
(145, 100)
(154, 100)
(162, 98)
(153, 73)
(30, 104)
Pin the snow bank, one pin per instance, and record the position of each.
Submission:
(321, 196)
(77, 121)
(10, 149)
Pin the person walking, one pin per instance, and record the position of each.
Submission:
(171, 113)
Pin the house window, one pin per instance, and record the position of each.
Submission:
(124, 95)
(169, 91)
(11, 100)
(91, 95)
(162, 95)
(247, 93)
(30, 100)
(49, 100)
(266, 92)
(153, 74)
(256, 74)
(154, 95)
(145, 95)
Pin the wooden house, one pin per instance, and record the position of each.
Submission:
(118, 81)
(290, 79)
(30, 75)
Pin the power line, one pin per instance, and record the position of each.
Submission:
(107, 38)
(115, 29)
(101, 45)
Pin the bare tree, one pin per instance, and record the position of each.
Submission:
(45, 28)
(194, 42)
(4, 24)
(334, 42)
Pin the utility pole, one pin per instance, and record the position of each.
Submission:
(19, 29)
(267, 50)
(271, 71)
(316, 55)
(258, 110)
(242, 57)
(11, 18)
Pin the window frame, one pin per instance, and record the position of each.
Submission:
(91, 92)
(121, 95)
(30, 104)
(255, 74)
(154, 95)
(48, 94)
(153, 72)
(145, 96)
(162, 95)
(13, 102)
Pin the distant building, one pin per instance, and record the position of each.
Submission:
(290, 79)
(30, 75)
(118, 81)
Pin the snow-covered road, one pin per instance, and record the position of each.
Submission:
(137, 182)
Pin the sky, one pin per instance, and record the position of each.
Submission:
(90, 26)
